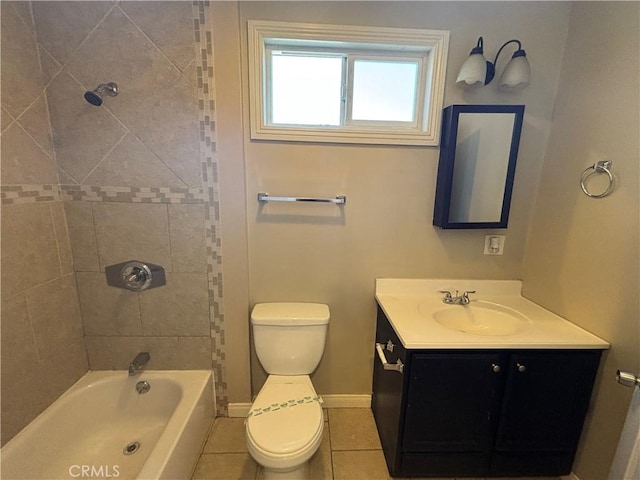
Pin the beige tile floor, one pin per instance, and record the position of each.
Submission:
(350, 450)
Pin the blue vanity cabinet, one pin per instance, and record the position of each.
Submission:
(480, 412)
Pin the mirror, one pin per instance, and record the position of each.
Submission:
(478, 152)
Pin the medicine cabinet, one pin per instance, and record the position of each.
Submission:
(478, 153)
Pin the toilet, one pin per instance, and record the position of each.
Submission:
(284, 425)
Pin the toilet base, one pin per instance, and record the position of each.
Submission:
(299, 473)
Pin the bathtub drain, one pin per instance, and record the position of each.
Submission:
(131, 448)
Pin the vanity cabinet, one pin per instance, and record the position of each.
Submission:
(480, 412)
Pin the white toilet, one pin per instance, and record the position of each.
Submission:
(284, 425)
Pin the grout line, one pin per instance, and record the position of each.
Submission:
(83, 181)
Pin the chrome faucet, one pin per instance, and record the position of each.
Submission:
(139, 363)
(456, 299)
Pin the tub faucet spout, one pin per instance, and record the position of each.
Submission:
(139, 363)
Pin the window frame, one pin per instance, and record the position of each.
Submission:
(429, 46)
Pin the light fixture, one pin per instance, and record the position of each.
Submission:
(477, 71)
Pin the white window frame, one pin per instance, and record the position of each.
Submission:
(429, 47)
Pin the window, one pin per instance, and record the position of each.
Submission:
(329, 83)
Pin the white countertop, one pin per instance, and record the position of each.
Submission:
(406, 302)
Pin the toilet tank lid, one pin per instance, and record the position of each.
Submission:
(290, 313)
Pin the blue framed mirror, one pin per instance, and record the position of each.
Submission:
(478, 154)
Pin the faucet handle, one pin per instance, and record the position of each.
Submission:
(447, 293)
(467, 292)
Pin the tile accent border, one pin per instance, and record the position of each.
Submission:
(20, 194)
(90, 193)
(202, 22)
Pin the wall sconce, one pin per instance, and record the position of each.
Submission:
(477, 71)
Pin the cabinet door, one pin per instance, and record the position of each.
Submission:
(546, 400)
(388, 391)
(453, 401)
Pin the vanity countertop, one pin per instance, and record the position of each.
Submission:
(409, 305)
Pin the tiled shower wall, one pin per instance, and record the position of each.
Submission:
(42, 346)
(138, 174)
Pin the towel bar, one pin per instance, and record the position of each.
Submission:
(265, 197)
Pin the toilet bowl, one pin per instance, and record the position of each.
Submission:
(284, 426)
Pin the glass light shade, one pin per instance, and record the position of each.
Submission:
(473, 71)
(517, 73)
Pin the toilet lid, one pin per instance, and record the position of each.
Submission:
(284, 418)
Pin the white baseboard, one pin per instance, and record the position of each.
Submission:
(571, 476)
(346, 401)
(238, 409)
(330, 401)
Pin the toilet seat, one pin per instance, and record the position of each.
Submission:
(285, 421)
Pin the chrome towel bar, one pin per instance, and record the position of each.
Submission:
(265, 197)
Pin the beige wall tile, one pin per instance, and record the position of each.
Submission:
(21, 76)
(5, 120)
(62, 237)
(18, 342)
(127, 231)
(50, 66)
(63, 26)
(107, 310)
(99, 353)
(187, 234)
(82, 236)
(82, 134)
(23, 161)
(23, 8)
(181, 307)
(29, 253)
(21, 402)
(132, 164)
(169, 25)
(35, 122)
(194, 353)
(55, 317)
(24, 399)
(140, 66)
(163, 351)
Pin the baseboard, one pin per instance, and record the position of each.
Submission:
(571, 476)
(330, 401)
(346, 401)
(238, 409)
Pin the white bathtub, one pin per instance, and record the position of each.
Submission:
(84, 432)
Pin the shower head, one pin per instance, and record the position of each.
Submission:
(94, 97)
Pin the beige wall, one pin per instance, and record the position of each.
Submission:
(42, 346)
(326, 254)
(582, 257)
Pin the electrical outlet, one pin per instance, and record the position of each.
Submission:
(494, 244)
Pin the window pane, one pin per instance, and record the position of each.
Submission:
(305, 90)
(384, 91)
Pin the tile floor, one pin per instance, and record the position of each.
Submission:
(350, 450)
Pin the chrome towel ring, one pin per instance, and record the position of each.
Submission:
(601, 166)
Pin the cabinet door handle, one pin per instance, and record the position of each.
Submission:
(495, 368)
(398, 366)
(521, 368)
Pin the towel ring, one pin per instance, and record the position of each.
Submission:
(599, 167)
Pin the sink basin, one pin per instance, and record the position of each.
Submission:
(481, 318)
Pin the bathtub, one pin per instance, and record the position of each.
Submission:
(92, 429)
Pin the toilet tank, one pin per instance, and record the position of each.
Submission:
(289, 337)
